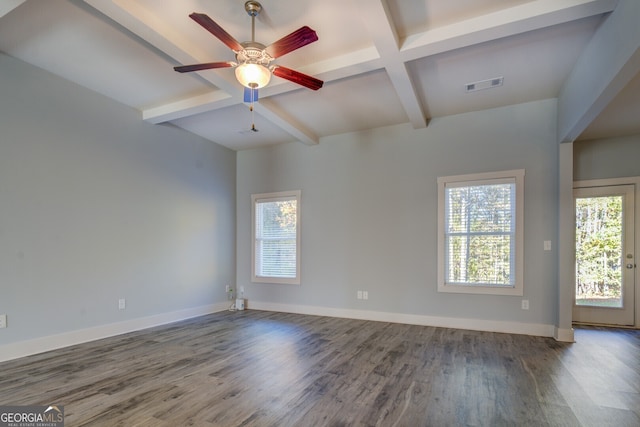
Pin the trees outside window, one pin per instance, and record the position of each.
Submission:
(599, 251)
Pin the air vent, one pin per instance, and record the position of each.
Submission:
(484, 84)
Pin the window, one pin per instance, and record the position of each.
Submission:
(276, 235)
(480, 233)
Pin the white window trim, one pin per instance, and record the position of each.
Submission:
(479, 179)
(274, 197)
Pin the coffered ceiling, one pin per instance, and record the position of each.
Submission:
(384, 62)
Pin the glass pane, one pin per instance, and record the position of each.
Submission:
(480, 208)
(599, 251)
(276, 219)
(479, 260)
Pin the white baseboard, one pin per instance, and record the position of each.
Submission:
(535, 329)
(563, 335)
(52, 342)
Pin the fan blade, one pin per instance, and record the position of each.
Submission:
(297, 77)
(205, 66)
(215, 29)
(301, 37)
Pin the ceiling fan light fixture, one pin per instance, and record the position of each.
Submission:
(253, 59)
(253, 76)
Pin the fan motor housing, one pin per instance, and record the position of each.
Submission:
(253, 53)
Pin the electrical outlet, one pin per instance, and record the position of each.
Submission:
(122, 304)
(226, 289)
(3, 321)
(365, 294)
(547, 245)
(525, 304)
(359, 294)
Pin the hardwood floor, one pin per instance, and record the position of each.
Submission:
(256, 368)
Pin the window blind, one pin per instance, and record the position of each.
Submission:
(480, 234)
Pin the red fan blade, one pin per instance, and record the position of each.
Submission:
(301, 37)
(298, 77)
(215, 29)
(206, 66)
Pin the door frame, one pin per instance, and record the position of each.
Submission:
(613, 182)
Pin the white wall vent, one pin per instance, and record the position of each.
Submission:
(484, 84)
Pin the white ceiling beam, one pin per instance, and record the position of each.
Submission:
(600, 72)
(188, 107)
(346, 65)
(378, 21)
(284, 121)
(408, 95)
(7, 6)
(530, 16)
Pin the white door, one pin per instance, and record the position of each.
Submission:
(605, 262)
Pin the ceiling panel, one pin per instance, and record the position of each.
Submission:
(361, 102)
(418, 16)
(77, 43)
(534, 66)
(231, 127)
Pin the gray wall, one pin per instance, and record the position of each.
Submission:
(369, 208)
(96, 205)
(606, 158)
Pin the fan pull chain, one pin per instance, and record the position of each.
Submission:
(253, 122)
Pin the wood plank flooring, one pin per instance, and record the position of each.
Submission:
(256, 368)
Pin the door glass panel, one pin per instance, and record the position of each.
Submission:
(599, 251)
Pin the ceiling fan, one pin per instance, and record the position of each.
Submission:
(253, 59)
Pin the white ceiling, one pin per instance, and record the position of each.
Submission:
(384, 62)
